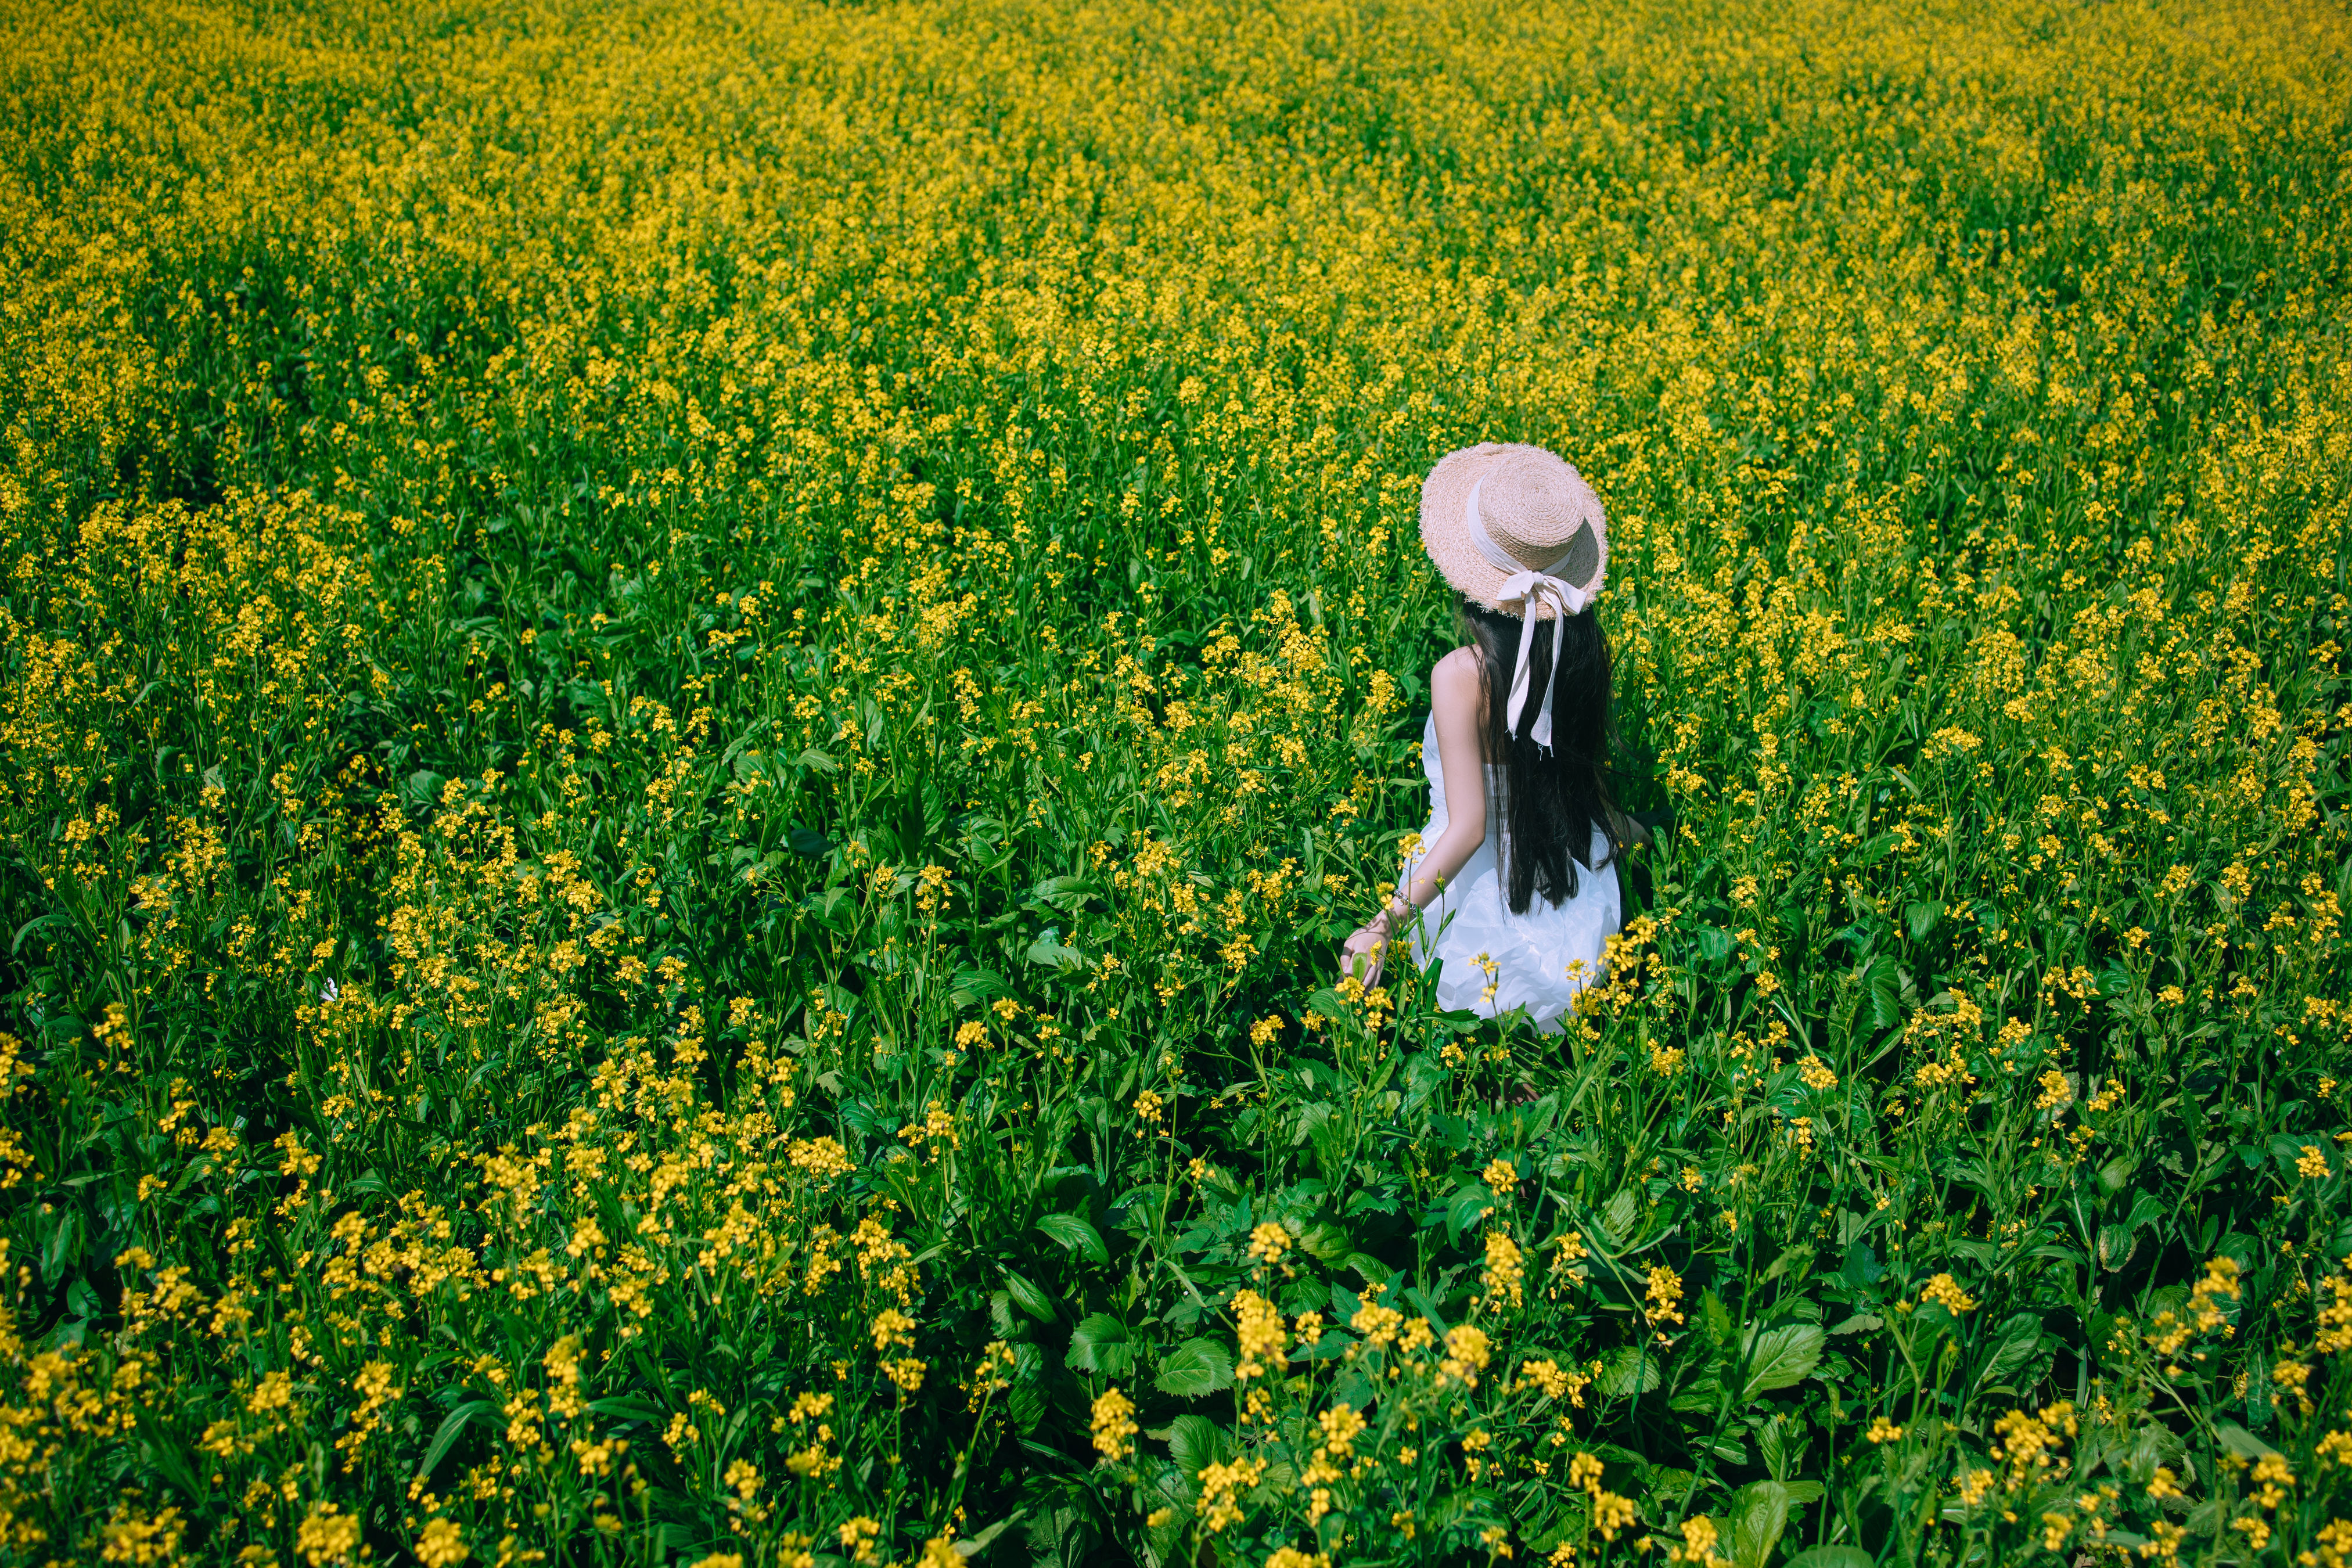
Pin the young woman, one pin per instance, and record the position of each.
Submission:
(1514, 888)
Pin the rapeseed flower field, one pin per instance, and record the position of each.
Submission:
(695, 694)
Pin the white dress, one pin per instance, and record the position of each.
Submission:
(1542, 958)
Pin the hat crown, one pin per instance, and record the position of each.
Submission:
(1538, 514)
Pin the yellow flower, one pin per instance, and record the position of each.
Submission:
(857, 1537)
(327, 1534)
(1269, 1242)
(138, 1539)
(820, 1157)
(441, 1545)
(1505, 1269)
(1258, 1328)
(893, 1328)
(1340, 1426)
(1114, 1425)
(1661, 1298)
(1945, 1292)
(1222, 1488)
(1466, 1354)
(1697, 1547)
(1612, 1513)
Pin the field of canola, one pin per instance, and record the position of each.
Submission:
(694, 694)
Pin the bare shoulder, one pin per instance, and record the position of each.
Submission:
(1453, 681)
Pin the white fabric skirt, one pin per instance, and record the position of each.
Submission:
(1496, 961)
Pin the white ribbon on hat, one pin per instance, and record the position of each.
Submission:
(1529, 586)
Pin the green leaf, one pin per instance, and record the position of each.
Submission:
(1068, 894)
(1197, 1367)
(1780, 1357)
(1881, 980)
(1075, 1235)
(1763, 1514)
(627, 1407)
(1047, 953)
(165, 1455)
(1469, 1206)
(2020, 1337)
(975, 986)
(1772, 1440)
(1325, 1241)
(1195, 1442)
(2241, 1442)
(1099, 1343)
(979, 1543)
(1025, 1400)
(1714, 1317)
(1633, 1370)
(1029, 1298)
(446, 1434)
(1833, 1557)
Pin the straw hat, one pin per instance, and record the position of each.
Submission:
(1534, 514)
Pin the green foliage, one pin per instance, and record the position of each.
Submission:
(694, 700)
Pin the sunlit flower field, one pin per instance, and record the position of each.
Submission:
(694, 696)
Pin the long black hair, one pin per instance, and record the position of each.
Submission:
(1552, 804)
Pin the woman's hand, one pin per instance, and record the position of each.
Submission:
(1362, 954)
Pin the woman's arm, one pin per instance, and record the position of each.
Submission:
(1454, 700)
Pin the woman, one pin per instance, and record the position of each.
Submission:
(1513, 885)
